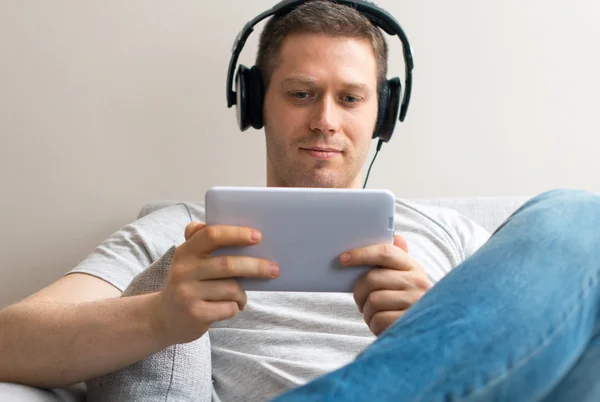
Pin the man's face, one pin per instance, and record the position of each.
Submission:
(320, 111)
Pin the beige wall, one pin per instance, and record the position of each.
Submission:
(107, 105)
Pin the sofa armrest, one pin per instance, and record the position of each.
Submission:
(19, 393)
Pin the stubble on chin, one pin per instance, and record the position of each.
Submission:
(317, 175)
(290, 169)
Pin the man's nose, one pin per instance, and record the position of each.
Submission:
(326, 117)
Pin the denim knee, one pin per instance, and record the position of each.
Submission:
(563, 195)
(576, 212)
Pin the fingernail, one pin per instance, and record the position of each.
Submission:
(345, 257)
(255, 235)
(274, 269)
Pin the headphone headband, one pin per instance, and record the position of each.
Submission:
(375, 14)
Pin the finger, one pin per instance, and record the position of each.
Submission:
(385, 279)
(196, 294)
(211, 238)
(213, 311)
(389, 300)
(383, 320)
(400, 241)
(222, 290)
(236, 266)
(383, 255)
(193, 228)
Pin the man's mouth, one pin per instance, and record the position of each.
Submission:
(321, 153)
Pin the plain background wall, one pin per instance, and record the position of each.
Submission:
(105, 106)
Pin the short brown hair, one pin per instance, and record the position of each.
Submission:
(319, 17)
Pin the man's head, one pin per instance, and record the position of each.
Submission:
(322, 66)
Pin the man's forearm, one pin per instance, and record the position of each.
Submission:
(49, 344)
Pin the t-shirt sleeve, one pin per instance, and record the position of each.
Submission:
(133, 248)
(467, 234)
(470, 234)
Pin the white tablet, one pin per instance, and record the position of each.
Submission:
(304, 230)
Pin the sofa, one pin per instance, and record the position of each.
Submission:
(489, 212)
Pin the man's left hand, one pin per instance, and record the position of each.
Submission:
(397, 282)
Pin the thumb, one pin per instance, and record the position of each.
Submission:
(192, 228)
(400, 241)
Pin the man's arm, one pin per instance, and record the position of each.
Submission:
(79, 328)
(73, 330)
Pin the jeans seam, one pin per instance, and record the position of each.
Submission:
(537, 349)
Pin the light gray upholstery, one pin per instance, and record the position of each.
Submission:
(489, 212)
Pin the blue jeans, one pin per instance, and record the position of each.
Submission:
(518, 321)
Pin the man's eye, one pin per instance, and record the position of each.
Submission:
(350, 99)
(300, 95)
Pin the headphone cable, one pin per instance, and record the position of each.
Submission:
(379, 144)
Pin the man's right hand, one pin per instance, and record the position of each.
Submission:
(78, 328)
(202, 289)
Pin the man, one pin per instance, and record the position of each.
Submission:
(150, 315)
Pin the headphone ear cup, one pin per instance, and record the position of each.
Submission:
(249, 89)
(242, 92)
(391, 106)
(384, 94)
(256, 97)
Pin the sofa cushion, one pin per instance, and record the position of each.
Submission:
(488, 212)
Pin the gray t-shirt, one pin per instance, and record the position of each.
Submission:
(282, 340)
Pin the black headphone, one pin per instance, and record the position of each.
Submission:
(249, 94)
